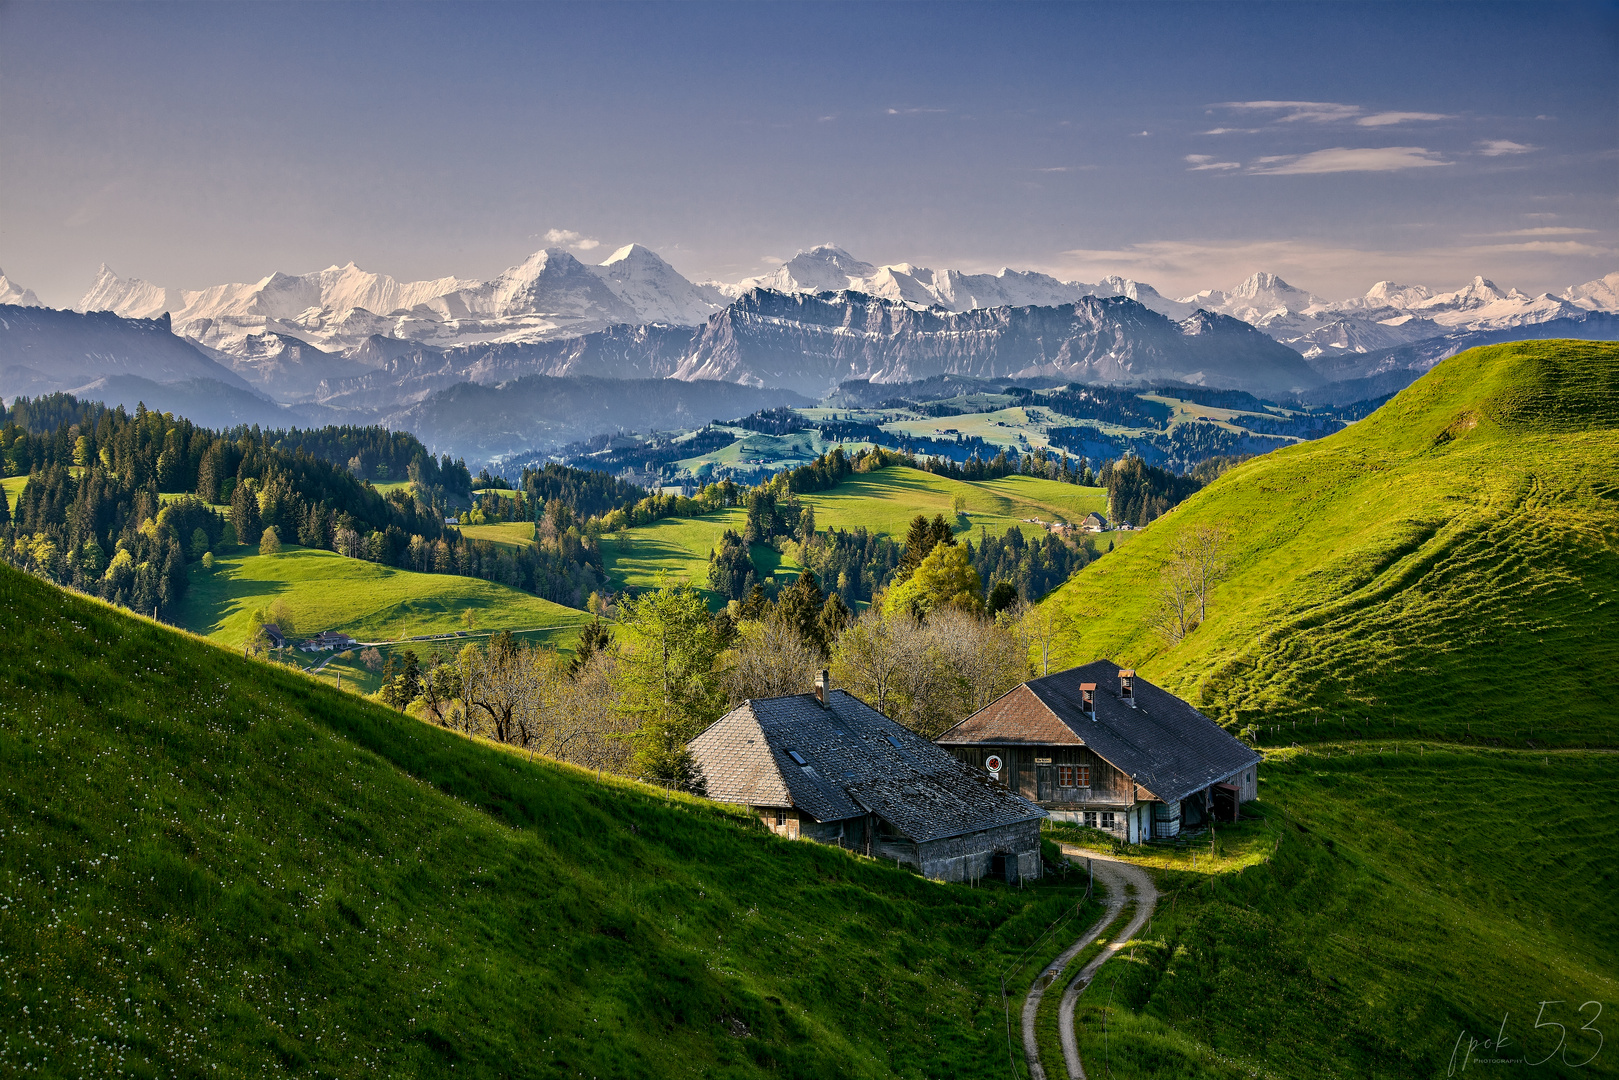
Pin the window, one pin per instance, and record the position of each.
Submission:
(798, 759)
(1107, 819)
(1090, 819)
(1073, 776)
(781, 818)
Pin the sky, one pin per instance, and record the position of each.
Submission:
(1182, 145)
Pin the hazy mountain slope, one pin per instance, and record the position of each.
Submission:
(811, 343)
(484, 422)
(210, 864)
(1447, 567)
(43, 350)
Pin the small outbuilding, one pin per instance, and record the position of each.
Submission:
(1098, 745)
(828, 767)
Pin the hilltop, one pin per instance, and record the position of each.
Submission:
(1448, 567)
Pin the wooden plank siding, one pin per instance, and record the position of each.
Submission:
(1108, 788)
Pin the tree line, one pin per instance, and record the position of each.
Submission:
(638, 688)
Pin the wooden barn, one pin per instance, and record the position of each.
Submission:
(1098, 745)
(828, 767)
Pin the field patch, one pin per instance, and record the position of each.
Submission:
(366, 600)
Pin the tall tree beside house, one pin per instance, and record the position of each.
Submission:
(800, 607)
(668, 652)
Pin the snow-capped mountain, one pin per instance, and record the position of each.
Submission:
(828, 268)
(550, 294)
(12, 293)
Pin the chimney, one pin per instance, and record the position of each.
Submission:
(1127, 686)
(1087, 692)
(823, 688)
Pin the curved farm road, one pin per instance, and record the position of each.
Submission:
(1118, 875)
(1125, 883)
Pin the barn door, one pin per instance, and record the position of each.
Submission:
(1045, 781)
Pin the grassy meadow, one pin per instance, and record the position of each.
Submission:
(1389, 904)
(512, 534)
(1446, 568)
(367, 600)
(884, 501)
(213, 866)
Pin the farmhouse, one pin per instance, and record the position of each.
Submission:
(828, 767)
(273, 634)
(1094, 522)
(328, 639)
(1098, 745)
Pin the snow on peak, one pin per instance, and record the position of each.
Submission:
(12, 293)
(1599, 295)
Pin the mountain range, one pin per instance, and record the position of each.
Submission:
(348, 345)
(553, 295)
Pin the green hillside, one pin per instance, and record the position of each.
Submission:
(884, 502)
(367, 600)
(213, 867)
(1448, 567)
(1410, 895)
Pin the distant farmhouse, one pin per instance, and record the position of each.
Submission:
(273, 634)
(1094, 522)
(828, 767)
(328, 639)
(1098, 745)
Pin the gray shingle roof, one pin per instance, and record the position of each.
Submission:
(1169, 747)
(858, 762)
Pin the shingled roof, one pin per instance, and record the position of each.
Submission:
(856, 761)
(1169, 747)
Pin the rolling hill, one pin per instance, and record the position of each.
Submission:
(212, 864)
(367, 600)
(1448, 567)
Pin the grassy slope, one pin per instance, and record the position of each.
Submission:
(884, 501)
(1404, 899)
(369, 601)
(1448, 566)
(512, 534)
(13, 486)
(211, 862)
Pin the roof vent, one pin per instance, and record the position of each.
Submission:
(1127, 686)
(1087, 694)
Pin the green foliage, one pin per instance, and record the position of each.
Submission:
(944, 577)
(195, 841)
(731, 573)
(269, 542)
(1444, 568)
(669, 649)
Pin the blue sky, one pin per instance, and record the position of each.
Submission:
(1183, 145)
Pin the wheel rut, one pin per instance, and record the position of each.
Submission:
(1126, 884)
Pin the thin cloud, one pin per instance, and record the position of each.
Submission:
(1232, 131)
(1548, 230)
(1320, 112)
(1384, 119)
(1205, 162)
(912, 112)
(1341, 159)
(577, 241)
(1502, 147)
